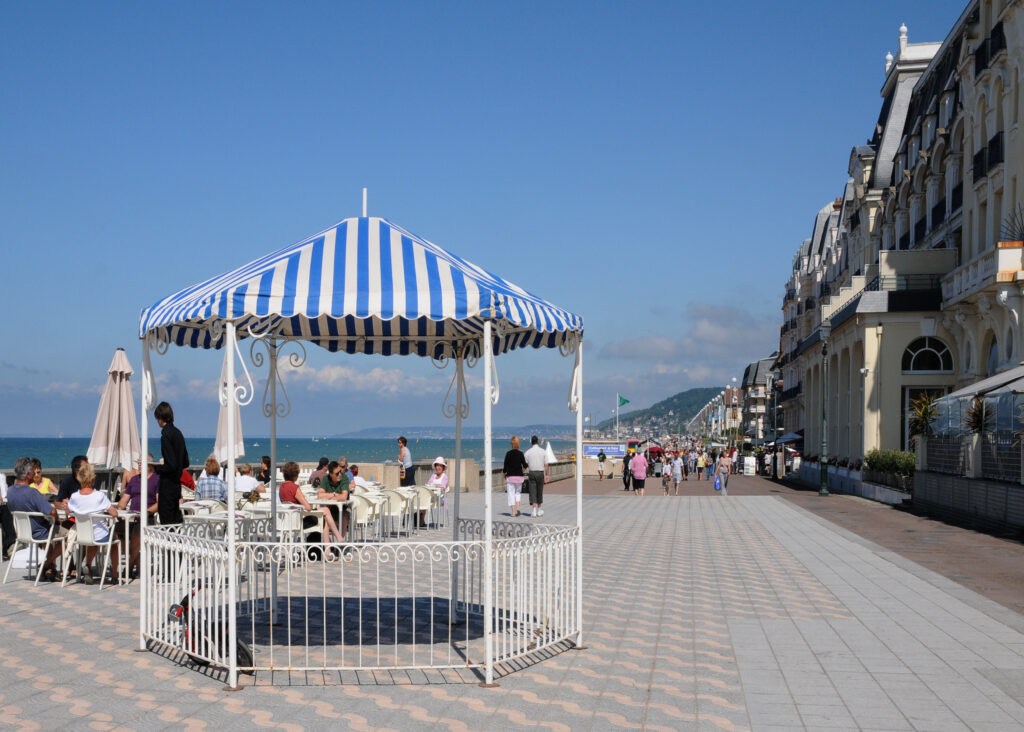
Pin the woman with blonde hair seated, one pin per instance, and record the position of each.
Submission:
(89, 500)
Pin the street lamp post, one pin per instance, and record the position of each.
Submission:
(775, 427)
(733, 404)
(824, 330)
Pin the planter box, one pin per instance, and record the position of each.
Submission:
(902, 483)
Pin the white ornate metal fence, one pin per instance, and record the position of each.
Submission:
(186, 607)
(367, 606)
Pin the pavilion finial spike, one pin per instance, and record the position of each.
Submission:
(364, 203)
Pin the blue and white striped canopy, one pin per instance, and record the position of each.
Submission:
(364, 285)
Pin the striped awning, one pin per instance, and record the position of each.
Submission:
(364, 285)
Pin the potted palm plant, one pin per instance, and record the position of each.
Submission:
(977, 420)
(922, 416)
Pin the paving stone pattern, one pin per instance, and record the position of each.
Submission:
(701, 612)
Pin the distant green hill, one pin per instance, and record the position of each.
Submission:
(683, 407)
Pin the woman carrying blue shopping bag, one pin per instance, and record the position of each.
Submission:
(722, 469)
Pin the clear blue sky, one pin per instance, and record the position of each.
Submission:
(651, 166)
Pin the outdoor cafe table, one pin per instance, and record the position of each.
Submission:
(338, 503)
(128, 517)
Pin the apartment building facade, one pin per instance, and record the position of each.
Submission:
(912, 281)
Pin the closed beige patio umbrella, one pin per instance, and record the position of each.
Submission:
(220, 445)
(115, 436)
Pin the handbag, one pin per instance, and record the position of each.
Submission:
(718, 484)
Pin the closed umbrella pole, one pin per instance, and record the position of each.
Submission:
(115, 435)
(229, 413)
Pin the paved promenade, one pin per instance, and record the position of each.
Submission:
(701, 612)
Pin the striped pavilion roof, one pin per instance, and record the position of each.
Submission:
(365, 285)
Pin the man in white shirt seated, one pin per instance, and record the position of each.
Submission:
(246, 483)
(358, 479)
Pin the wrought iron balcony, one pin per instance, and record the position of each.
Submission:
(957, 198)
(997, 41)
(981, 57)
(889, 283)
(995, 151)
(980, 165)
(920, 229)
(791, 393)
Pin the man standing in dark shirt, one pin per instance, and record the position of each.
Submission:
(175, 456)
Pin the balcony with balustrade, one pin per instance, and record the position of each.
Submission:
(1003, 263)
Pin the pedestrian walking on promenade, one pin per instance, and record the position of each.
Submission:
(678, 468)
(638, 467)
(601, 457)
(722, 468)
(537, 462)
(515, 475)
(625, 470)
(702, 462)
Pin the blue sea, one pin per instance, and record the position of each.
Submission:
(58, 452)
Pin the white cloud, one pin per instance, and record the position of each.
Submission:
(390, 383)
(72, 389)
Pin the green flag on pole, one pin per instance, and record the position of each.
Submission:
(623, 400)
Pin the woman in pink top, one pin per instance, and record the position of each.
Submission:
(638, 466)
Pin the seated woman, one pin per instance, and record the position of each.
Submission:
(438, 482)
(41, 484)
(334, 485)
(289, 493)
(210, 485)
(131, 499)
(88, 500)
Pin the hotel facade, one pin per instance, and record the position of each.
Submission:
(912, 280)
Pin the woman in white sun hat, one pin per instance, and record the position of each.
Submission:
(438, 482)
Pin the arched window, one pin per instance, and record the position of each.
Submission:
(993, 357)
(927, 355)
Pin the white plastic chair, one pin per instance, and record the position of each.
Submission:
(23, 538)
(428, 502)
(204, 506)
(394, 506)
(317, 528)
(289, 524)
(86, 537)
(362, 512)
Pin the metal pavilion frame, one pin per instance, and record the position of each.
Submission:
(463, 350)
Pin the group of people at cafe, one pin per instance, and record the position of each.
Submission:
(55, 507)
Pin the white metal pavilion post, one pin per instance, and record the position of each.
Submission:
(577, 404)
(231, 396)
(489, 395)
(272, 409)
(461, 411)
(146, 401)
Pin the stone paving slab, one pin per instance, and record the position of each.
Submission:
(701, 612)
